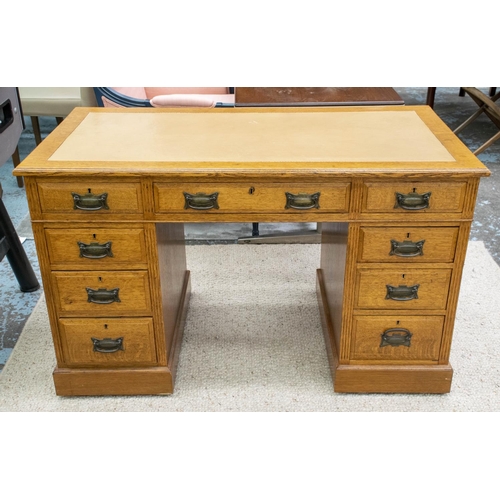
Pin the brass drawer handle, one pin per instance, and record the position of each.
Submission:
(302, 201)
(102, 295)
(396, 337)
(407, 248)
(108, 345)
(412, 201)
(201, 201)
(90, 202)
(95, 250)
(402, 292)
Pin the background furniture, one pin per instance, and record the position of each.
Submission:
(487, 106)
(164, 97)
(11, 127)
(53, 101)
(316, 96)
(431, 94)
(394, 188)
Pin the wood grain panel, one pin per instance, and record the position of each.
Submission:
(416, 379)
(113, 381)
(333, 266)
(171, 250)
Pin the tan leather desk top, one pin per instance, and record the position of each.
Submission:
(345, 137)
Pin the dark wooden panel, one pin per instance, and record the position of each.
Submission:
(316, 96)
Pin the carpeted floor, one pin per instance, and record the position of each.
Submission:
(253, 342)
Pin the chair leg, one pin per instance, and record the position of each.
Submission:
(492, 91)
(431, 93)
(13, 249)
(16, 161)
(36, 129)
(469, 120)
(461, 92)
(488, 143)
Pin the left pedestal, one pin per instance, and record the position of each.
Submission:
(117, 286)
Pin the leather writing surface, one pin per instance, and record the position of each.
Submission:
(376, 136)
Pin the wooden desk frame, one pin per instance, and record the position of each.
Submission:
(354, 212)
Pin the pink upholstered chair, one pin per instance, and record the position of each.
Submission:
(164, 97)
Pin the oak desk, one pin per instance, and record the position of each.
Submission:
(109, 190)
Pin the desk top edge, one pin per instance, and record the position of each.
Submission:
(38, 164)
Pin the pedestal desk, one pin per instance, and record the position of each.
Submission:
(110, 189)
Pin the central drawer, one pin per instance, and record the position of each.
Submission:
(102, 293)
(108, 342)
(252, 198)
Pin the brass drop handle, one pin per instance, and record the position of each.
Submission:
(90, 202)
(103, 296)
(402, 292)
(95, 250)
(407, 248)
(302, 201)
(200, 201)
(108, 345)
(412, 201)
(395, 337)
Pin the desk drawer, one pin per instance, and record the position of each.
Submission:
(413, 197)
(96, 247)
(89, 198)
(252, 198)
(397, 338)
(102, 293)
(108, 342)
(402, 289)
(407, 244)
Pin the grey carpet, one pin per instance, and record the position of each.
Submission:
(253, 342)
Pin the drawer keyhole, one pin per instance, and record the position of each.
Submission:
(251, 190)
(89, 190)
